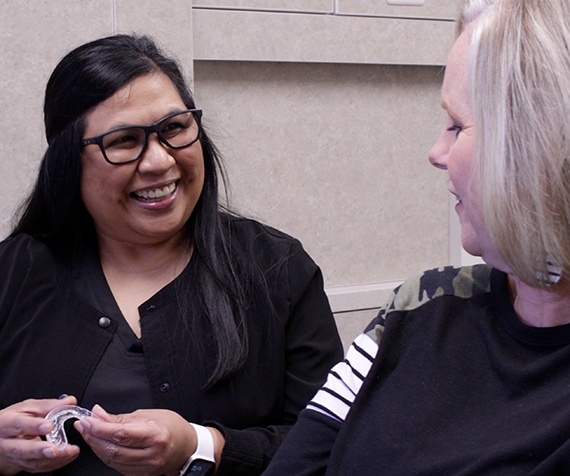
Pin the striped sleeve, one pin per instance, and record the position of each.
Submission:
(335, 397)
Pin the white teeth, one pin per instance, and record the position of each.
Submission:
(156, 192)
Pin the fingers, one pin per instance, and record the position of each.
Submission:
(40, 407)
(124, 448)
(145, 442)
(33, 455)
(139, 429)
(21, 448)
(100, 412)
(26, 419)
(131, 430)
(125, 435)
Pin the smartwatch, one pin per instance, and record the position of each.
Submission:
(201, 462)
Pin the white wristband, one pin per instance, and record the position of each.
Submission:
(204, 447)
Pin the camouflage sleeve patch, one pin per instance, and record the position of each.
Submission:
(463, 282)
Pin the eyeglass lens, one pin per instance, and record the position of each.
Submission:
(125, 145)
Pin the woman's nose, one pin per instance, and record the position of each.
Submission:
(437, 155)
(156, 157)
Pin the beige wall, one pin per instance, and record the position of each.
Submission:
(324, 118)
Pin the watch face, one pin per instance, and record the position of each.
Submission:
(200, 467)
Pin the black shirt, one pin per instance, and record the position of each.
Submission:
(53, 340)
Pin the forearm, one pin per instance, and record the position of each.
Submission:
(306, 450)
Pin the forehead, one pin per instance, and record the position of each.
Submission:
(143, 100)
(455, 93)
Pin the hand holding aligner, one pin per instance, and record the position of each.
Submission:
(58, 416)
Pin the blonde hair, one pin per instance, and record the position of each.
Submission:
(520, 86)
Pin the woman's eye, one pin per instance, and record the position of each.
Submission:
(173, 128)
(455, 128)
(123, 141)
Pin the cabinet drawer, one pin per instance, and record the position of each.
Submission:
(321, 6)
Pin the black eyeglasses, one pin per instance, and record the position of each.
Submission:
(127, 144)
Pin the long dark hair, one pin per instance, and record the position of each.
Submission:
(54, 212)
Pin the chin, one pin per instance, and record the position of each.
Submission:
(471, 246)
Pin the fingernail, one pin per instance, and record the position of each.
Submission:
(48, 453)
(44, 428)
(62, 396)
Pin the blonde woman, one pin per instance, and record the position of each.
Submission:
(466, 371)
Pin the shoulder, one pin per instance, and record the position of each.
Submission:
(270, 251)
(249, 229)
(23, 248)
(255, 238)
(462, 282)
(27, 266)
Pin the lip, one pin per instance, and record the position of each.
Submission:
(455, 195)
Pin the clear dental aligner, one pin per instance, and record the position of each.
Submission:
(58, 416)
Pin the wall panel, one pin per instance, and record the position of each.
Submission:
(337, 156)
(262, 36)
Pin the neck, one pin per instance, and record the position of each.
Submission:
(135, 273)
(539, 307)
(169, 256)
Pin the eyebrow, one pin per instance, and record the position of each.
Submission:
(125, 125)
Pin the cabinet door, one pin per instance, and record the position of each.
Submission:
(432, 9)
(325, 6)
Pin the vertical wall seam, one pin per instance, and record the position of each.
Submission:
(114, 16)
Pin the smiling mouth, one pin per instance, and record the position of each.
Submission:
(155, 193)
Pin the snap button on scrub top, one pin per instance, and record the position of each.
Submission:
(104, 322)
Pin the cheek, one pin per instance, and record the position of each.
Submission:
(98, 183)
(88, 181)
(91, 193)
(193, 164)
(461, 162)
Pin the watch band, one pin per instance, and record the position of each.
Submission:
(202, 461)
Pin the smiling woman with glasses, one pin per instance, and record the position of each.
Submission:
(186, 337)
